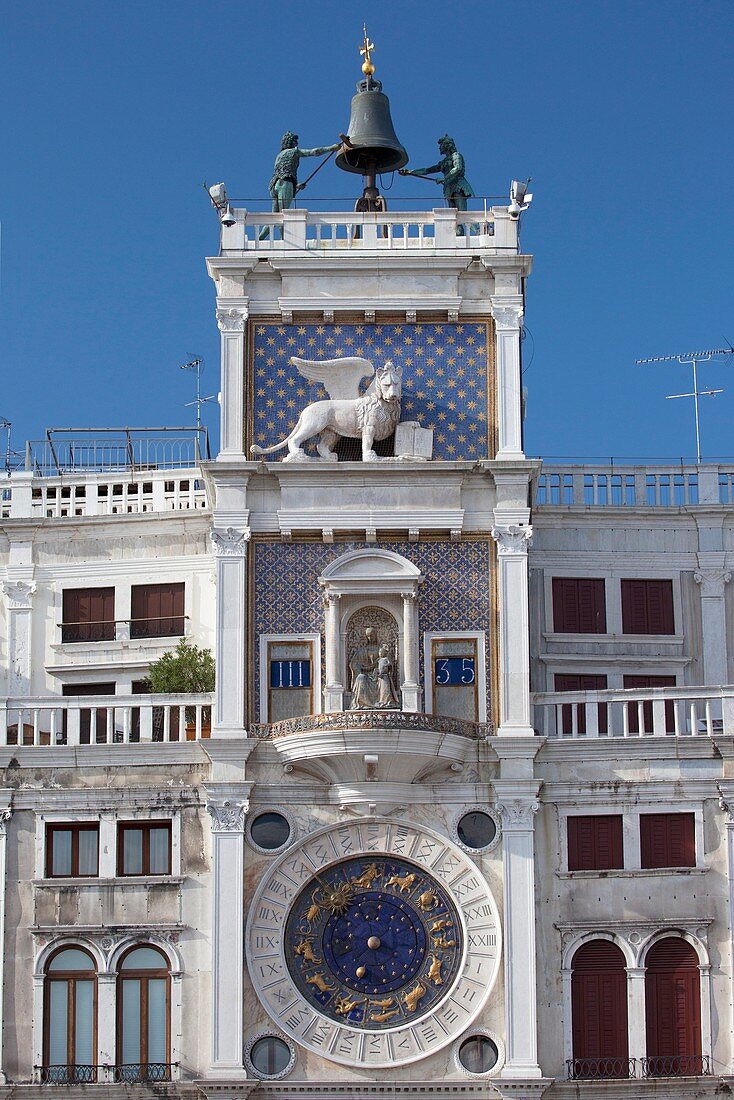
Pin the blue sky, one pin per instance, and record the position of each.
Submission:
(114, 113)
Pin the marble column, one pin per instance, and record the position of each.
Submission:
(507, 310)
(514, 626)
(228, 806)
(726, 805)
(230, 550)
(5, 813)
(517, 803)
(411, 687)
(712, 583)
(334, 688)
(232, 320)
(19, 596)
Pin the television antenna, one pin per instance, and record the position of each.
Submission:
(692, 359)
(196, 363)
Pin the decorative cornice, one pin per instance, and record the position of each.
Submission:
(19, 594)
(230, 543)
(712, 581)
(228, 816)
(231, 320)
(513, 538)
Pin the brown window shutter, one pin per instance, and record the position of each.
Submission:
(595, 842)
(599, 1004)
(673, 1004)
(668, 840)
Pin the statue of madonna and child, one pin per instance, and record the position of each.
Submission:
(372, 672)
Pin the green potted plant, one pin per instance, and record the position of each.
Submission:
(185, 669)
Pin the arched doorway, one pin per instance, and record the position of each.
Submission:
(599, 1011)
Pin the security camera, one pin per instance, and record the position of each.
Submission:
(519, 198)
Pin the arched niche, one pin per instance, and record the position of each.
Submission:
(389, 584)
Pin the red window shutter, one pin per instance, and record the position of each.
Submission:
(673, 1003)
(573, 681)
(595, 842)
(668, 840)
(599, 1004)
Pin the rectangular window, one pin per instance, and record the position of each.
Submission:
(88, 615)
(454, 677)
(72, 850)
(574, 681)
(595, 843)
(144, 848)
(579, 605)
(668, 840)
(647, 607)
(634, 707)
(157, 610)
(290, 679)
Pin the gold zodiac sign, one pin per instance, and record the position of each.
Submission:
(367, 877)
(382, 1017)
(305, 949)
(441, 941)
(339, 899)
(439, 926)
(343, 1006)
(321, 985)
(314, 909)
(403, 882)
(427, 901)
(434, 971)
(411, 998)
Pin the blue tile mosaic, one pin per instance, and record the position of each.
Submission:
(445, 379)
(288, 598)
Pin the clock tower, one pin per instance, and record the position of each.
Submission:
(373, 792)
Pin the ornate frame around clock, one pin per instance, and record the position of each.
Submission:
(442, 860)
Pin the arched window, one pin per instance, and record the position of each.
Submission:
(143, 1016)
(70, 1018)
(599, 1011)
(673, 1009)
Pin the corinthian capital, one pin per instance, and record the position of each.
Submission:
(230, 319)
(230, 543)
(228, 815)
(712, 581)
(19, 594)
(507, 311)
(512, 538)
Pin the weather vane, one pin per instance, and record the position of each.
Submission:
(366, 51)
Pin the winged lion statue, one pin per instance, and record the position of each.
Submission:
(349, 414)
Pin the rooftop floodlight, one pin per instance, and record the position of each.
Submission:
(220, 202)
(519, 198)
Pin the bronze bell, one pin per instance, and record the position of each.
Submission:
(375, 146)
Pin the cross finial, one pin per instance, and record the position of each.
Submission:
(366, 51)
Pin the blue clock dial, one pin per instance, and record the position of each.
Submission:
(374, 942)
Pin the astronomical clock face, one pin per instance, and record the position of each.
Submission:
(380, 957)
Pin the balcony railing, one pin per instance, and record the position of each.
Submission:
(105, 719)
(633, 486)
(308, 230)
(67, 1075)
(636, 712)
(371, 720)
(665, 1065)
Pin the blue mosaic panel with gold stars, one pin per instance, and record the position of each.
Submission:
(446, 377)
(288, 599)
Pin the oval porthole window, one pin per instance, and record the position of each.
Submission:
(270, 830)
(478, 1054)
(476, 829)
(270, 1056)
